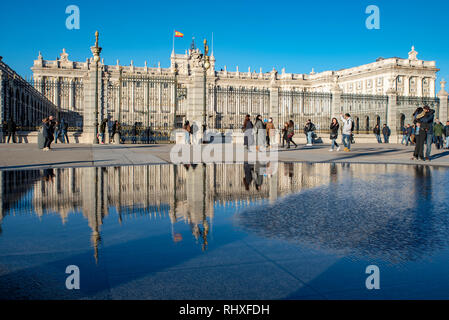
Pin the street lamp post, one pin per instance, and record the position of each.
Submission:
(96, 50)
(206, 68)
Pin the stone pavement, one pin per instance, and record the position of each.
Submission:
(27, 156)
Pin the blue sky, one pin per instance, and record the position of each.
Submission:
(297, 35)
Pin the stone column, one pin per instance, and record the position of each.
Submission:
(89, 108)
(336, 102)
(406, 85)
(419, 89)
(392, 114)
(274, 105)
(443, 114)
(196, 103)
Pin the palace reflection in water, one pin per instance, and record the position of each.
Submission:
(191, 193)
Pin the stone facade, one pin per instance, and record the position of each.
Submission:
(164, 98)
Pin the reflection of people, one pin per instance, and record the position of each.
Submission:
(248, 169)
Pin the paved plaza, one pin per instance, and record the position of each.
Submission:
(27, 156)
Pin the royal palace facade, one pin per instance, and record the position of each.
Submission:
(192, 88)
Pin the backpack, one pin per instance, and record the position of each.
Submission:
(352, 125)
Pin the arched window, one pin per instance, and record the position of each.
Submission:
(367, 124)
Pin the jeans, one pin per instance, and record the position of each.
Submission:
(378, 138)
(64, 136)
(101, 137)
(187, 138)
(429, 141)
(309, 137)
(404, 138)
(347, 141)
(386, 139)
(334, 144)
(408, 140)
(439, 142)
(447, 142)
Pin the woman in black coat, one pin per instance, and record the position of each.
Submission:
(334, 134)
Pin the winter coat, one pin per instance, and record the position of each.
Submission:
(347, 126)
(438, 130)
(334, 130)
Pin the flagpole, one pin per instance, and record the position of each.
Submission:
(173, 40)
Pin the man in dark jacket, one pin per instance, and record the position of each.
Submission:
(386, 133)
(11, 128)
(51, 131)
(376, 132)
(446, 134)
(427, 125)
(103, 125)
(409, 131)
(309, 131)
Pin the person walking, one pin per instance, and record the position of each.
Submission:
(334, 134)
(309, 130)
(261, 135)
(376, 132)
(188, 131)
(347, 131)
(116, 128)
(51, 131)
(446, 134)
(103, 125)
(438, 130)
(248, 131)
(4, 131)
(57, 131)
(11, 127)
(386, 132)
(404, 135)
(65, 130)
(285, 134)
(46, 134)
(420, 136)
(409, 132)
(290, 134)
(271, 132)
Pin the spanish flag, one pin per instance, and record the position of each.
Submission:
(178, 34)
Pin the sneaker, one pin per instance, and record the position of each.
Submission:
(427, 159)
(338, 149)
(331, 150)
(414, 158)
(348, 150)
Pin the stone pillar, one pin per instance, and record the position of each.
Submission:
(392, 114)
(406, 85)
(336, 102)
(89, 108)
(196, 104)
(443, 114)
(419, 89)
(274, 106)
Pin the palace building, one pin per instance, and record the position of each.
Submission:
(383, 91)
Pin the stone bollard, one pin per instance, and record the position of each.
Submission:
(238, 138)
(180, 137)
